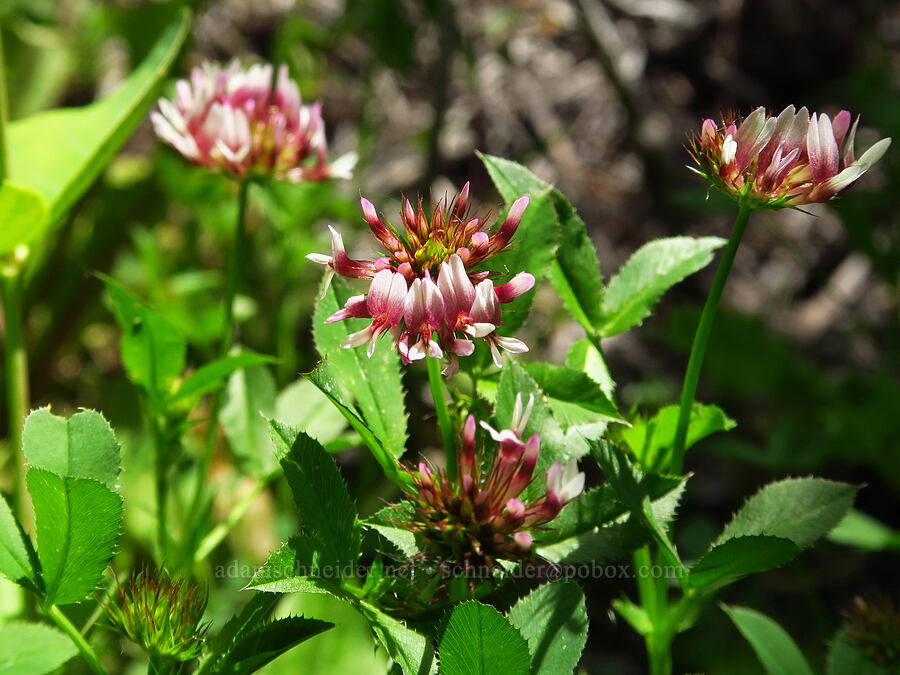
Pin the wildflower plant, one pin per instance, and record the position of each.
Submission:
(541, 471)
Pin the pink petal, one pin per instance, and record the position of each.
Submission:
(512, 289)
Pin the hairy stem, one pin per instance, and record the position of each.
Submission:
(61, 620)
(701, 339)
(443, 414)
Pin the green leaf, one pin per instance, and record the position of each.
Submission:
(651, 440)
(865, 532)
(585, 356)
(299, 557)
(388, 522)
(845, 656)
(775, 649)
(575, 398)
(209, 377)
(77, 523)
(303, 406)
(251, 616)
(22, 214)
(408, 649)
(374, 383)
(553, 620)
(514, 379)
(628, 483)
(323, 378)
(321, 496)
(15, 563)
(258, 647)
(59, 153)
(739, 557)
(479, 640)
(32, 649)
(799, 509)
(536, 241)
(82, 446)
(250, 399)
(153, 350)
(649, 273)
(575, 272)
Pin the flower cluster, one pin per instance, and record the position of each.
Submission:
(425, 289)
(788, 160)
(479, 516)
(161, 615)
(232, 120)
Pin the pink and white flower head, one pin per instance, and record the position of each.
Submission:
(446, 299)
(231, 120)
(481, 515)
(788, 160)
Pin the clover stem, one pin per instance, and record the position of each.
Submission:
(443, 414)
(61, 620)
(701, 338)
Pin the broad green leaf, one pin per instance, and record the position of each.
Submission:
(575, 398)
(301, 556)
(32, 649)
(254, 614)
(22, 216)
(865, 532)
(799, 509)
(514, 379)
(302, 405)
(553, 620)
(410, 650)
(585, 356)
(153, 351)
(535, 244)
(77, 523)
(479, 640)
(209, 377)
(628, 483)
(775, 649)
(388, 522)
(15, 563)
(575, 272)
(374, 383)
(323, 378)
(739, 557)
(614, 540)
(651, 440)
(651, 271)
(845, 656)
(321, 496)
(82, 446)
(250, 400)
(59, 153)
(258, 647)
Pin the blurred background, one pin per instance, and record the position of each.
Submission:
(599, 98)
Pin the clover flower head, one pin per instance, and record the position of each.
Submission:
(788, 160)
(481, 516)
(232, 120)
(426, 290)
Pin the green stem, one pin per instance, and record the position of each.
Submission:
(443, 414)
(701, 339)
(61, 620)
(16, 387)
(654, 597)
(238, 511)
(4, 114)
(235, 262)
(161, 463)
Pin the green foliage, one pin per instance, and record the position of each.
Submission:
(586, 357)
(846, 656)
(59, 153)
(374, 383)
(15, 560)
(77, 524)
(257, 647)
(32, 649)
(323, 378)
(250, 400)
(253, 615)
(799, 509)
(82, 446)
(210, 376)
(23, 213)
(739, 557)
(320, 494)
(479, 640)
(536, 241)
(570, 389)
(651, 271)
(409, 649)
(287, 569)
(153, 351)
(388, 522)
(776, 650)
(862, 531)
(553, 620)
(302, 405)
(651, 440)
